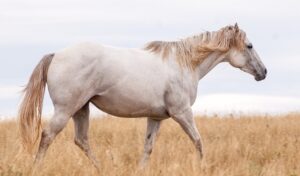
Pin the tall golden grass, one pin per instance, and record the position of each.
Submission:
(246, 146)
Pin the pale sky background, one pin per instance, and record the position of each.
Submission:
(29, 29)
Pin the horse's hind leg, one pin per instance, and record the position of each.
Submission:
(57, 123)
(152, 129)
(81, 125)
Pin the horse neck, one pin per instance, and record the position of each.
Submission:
(206, 64)
(209, 63)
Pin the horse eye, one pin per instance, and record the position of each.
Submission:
(249, 46)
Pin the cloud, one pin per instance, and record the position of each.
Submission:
(9, 92)
(245, 103)
(9, 99)
(65, 20)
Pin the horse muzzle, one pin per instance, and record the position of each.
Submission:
(260, 77)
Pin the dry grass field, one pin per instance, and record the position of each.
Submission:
(233, 146)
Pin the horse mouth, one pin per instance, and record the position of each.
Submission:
(259, 77)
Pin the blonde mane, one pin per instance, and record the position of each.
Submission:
(190, 52)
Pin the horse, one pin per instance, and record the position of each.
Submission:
(158, 81)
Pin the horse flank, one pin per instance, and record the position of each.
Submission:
(190, 52)
(31, 107)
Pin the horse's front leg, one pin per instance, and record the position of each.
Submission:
(186, 120)
(152, 129)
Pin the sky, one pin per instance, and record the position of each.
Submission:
(29, 29)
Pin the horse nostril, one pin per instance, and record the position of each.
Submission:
(266, 71)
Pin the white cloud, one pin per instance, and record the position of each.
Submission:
(245, 103)
(44, 21)
(9, 91)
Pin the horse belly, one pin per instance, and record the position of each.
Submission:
(127, 107)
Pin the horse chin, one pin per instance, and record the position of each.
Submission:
(259, 78)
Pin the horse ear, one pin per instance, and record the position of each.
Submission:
(236, 27)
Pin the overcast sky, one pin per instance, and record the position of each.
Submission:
(29, 29)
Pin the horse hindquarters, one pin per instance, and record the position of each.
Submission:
(68, 92)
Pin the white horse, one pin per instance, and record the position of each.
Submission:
(159, 81)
